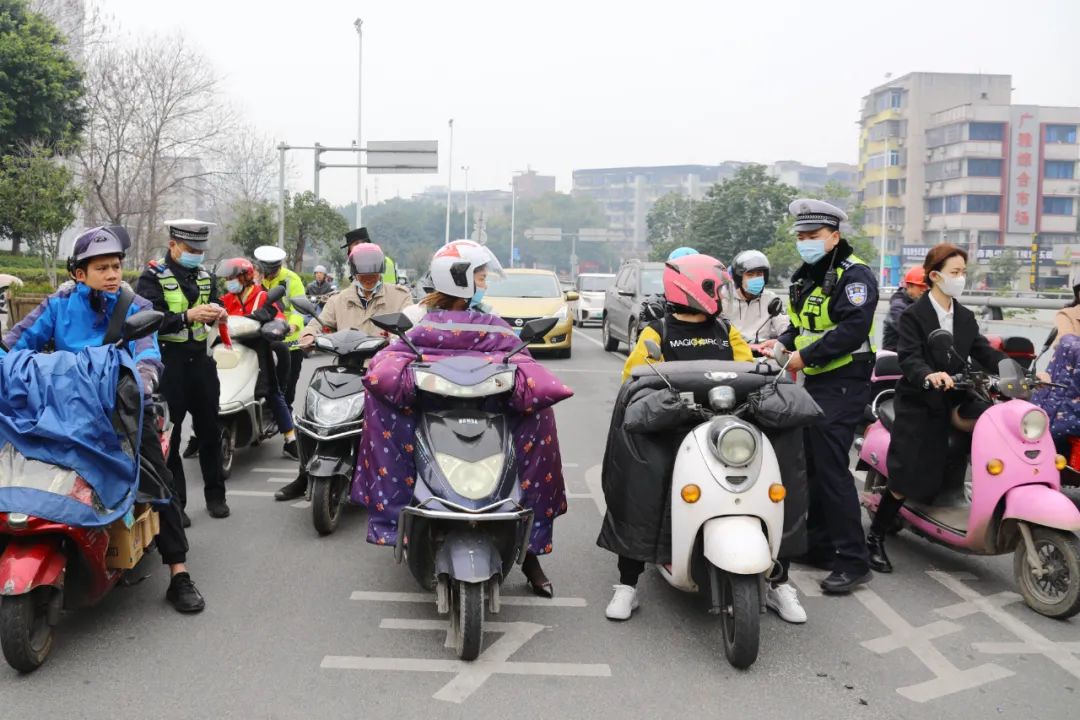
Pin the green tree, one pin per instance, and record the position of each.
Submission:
(41, 87)
(310, 224)
(38, 198)
(742, 213)
(1004, 269)
(253, 226)
(668, 223)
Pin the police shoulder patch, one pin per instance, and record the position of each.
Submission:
(856, 293)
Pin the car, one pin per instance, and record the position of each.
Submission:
(591, 288)
(635, 281)
(527, 294)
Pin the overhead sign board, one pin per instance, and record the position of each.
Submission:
(388, 157)
(544, 234)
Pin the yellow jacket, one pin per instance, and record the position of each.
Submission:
(689, 341)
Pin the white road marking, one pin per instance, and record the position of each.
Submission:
(948, 678)
(570, 465)
(591, 339)
(280, 480)
(250, 493)
(596, 490)
(519, 600)
(808, 581)
(1031, 640)
(470, 675)
(303, 504)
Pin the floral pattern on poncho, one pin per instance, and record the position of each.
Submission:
(385, 470)
(1063, 405)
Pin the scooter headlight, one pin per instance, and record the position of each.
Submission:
(333, 411)
(432, 383)
(736, 445)
(1033, 425)
(473, 480)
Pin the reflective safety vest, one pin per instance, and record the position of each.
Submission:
(390, 275)
(178, 303)
(814, 321)
(294, 287)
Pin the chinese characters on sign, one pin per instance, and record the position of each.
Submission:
(1023, 169)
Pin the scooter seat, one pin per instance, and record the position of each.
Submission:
(886, 413)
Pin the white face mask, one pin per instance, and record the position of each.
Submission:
(952, 286)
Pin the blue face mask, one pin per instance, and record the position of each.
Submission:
(234, 286)
(754, 286)
(191, 260)
(477, 298)
(811, 250)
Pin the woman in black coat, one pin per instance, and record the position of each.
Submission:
(925, 419)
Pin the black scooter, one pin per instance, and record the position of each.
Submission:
(330, 426)
(466, 526)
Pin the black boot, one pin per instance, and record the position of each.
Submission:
(217, 508)
(875, 546)
(296, 489)
(538, 581)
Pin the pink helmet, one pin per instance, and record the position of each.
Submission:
(367, 259)
(694, 281)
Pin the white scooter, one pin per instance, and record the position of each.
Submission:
(245, 421)
(727, 507)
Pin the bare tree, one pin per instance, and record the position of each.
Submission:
(246, 174)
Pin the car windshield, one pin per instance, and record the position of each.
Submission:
(525, 286)
(652, 281)
(595, 283)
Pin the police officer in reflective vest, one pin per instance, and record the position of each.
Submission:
(271, 260)
(187, 294)
(832, 301)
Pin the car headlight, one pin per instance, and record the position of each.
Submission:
(432, 383)
(333, 411)
(561, 314)
(736, 445)
(473, 480)
(1033, 425)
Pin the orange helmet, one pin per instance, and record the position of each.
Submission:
(915, 276)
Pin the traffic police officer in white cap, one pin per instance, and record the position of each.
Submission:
(271, 260)
(179, 287)
(833, 297)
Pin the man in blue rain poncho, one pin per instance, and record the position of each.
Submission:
(76, 317)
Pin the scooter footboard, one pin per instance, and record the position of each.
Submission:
(29, 563)
(468, 556)
(737, 544)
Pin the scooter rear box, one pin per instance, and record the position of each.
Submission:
(129, 536)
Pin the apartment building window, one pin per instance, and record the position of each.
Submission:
(954, 204)
(935, 206)
(986, 131)
(1057, 206)
(984, 204)
(984, 167)
(1061, 134)
(943, 170)
(989, 237)
(1060, 169)
(895, 99)
(946, 135)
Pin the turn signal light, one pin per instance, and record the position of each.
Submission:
(1060, 462)
(777, 492)
(995, 467)
(691, 493)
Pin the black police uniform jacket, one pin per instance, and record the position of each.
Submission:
(920, 436)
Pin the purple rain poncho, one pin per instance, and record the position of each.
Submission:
(1063, 405)
(385, 467)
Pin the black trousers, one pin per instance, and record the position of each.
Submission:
(296, 361)
(190, 385)
(834, 521)
(171, 539)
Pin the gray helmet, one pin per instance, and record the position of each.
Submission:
(95, 242)
(749, 260)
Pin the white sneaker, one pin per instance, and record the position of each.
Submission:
(784, 600)
(623, 603)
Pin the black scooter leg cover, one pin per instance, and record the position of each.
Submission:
(791, 456)
(469, 556)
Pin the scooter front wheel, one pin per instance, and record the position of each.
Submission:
(25, 632)
(1054, 589)
(740, 618)
(469, 614)
(228, 449)
(327, 500)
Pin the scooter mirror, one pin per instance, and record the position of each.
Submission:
(537, 328)
(225, 358)
(653, 350)
(275, 294)
(776, 306)
(1050, 338)
(1011, 381)
(394, 323)
(141, 324)
(303, 304)
(940, 342)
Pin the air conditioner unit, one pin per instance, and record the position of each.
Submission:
(929, 154)
(895, 228)
(900, 142)
(926, 218)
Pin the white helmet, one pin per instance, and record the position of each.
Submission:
(454, 264)
(749, 260)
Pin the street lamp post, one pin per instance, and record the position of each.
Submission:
(449, 180)
(513, 218)
(884, 208)
(359, 24)
(466, 169)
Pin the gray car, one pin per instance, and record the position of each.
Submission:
(635, 281)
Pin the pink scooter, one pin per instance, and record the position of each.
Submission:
(1016, 504)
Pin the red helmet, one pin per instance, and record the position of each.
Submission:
(694, 281)
(235, 267)
(915, 276)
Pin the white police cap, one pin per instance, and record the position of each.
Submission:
(813, 214)
(269, 255)
(195, 233)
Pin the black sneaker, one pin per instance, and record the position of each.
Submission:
(184, 519)
(183, 595)
(192, 449)
(296, 489)
(291, 450)
(217, 508)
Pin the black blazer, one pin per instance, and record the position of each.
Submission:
(916, 324)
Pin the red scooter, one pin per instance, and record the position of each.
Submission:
(47, 567)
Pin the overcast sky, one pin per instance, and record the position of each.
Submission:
(559, 85)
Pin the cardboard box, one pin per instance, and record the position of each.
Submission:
(129, 537)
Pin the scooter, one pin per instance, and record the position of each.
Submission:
(1014, 503)
(245, 420)
(47, 567)
(727, 499)
(466, 527)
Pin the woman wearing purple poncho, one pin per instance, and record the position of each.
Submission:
(385, 468)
